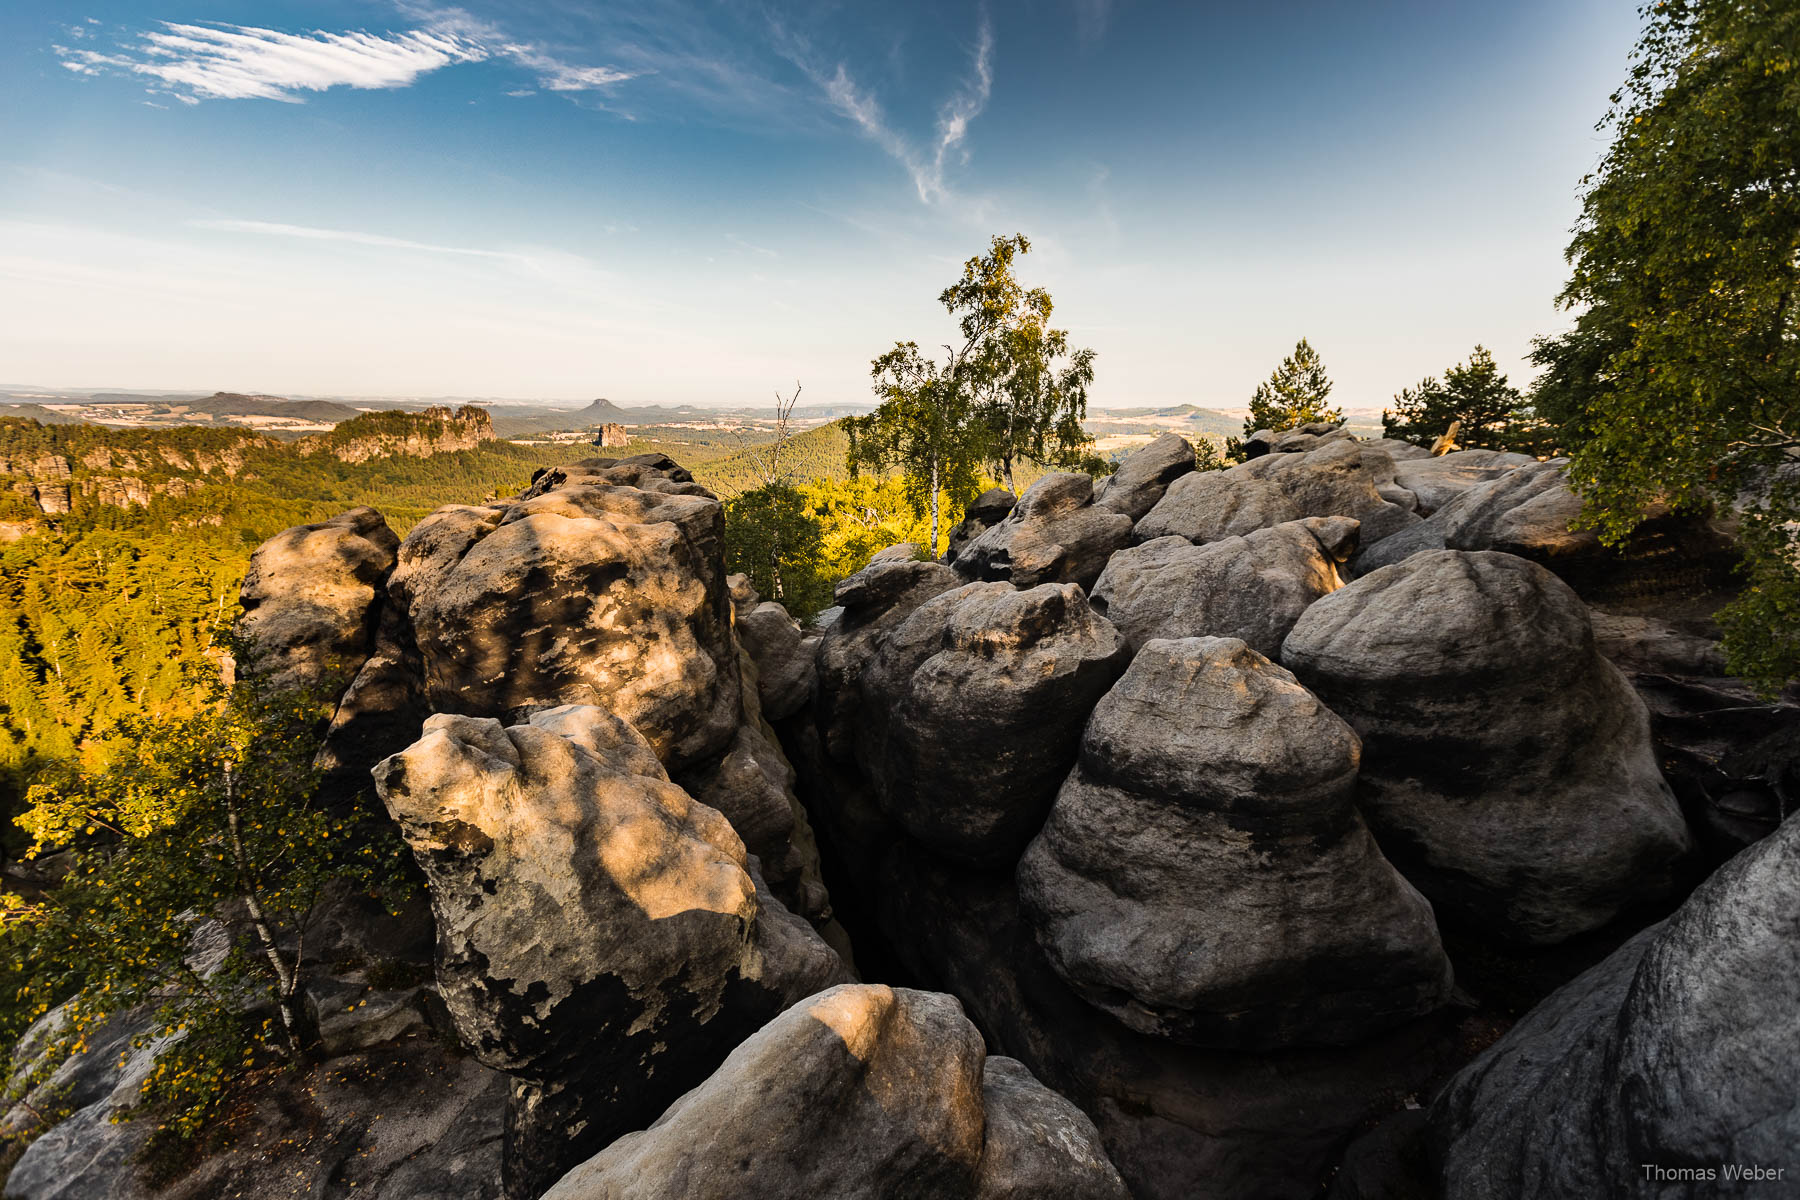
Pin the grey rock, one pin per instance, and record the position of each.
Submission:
(861, 1093)
(1507, 767)
(1055, 534)
(1252, 587)
(582, 593)
(875, 601)
(312, 597)
(1437, 481)
(1637, 643)
(1525, 510)
(785, 670)
(1332, 481)
(1204, 875)
(988, 510)
(972, 708)
(600, 938)
(1145, 474)
(1677, 1052)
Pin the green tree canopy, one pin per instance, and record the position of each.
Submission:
(1680, 382)
(1488, 411)
(774, 538)
(1011, 389)
(1293, 395)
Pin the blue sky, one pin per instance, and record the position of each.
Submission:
(694, 202)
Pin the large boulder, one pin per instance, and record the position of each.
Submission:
(1204, 874)
(586, 592)
(1252, 587)
(785, 669)
(1055, 534)
(873, 603)
(987, 510)
(1667, 1071)
(972, 710)
(1434, 482)
(1333, 480)
(862, 1093)
(312, 599)
(1507, 766)
(1145, 474)
(600, 935)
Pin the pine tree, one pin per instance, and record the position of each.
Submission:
(1488, 411)
(1294, 394)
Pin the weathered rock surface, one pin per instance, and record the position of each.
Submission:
(1204, 874)
(600, 938)
(1437, 481)
(1298, 440)
(1507, 766)
(861, 1093)
(407, 1121)
(785, 670)
(1252, 587)
(1331, 481)
(1145, 474)
(1055, 534)
(875, 601)
(987, 510)
(1675, 1052)
(584, 591)
(312, 598)
(972, 709)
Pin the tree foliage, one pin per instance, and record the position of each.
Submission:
(208, 819)
(1010, 390)
(1475, 396)
(1293, 395)
(774, 538)
(1680, 382)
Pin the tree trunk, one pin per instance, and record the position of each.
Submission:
(934, 506)
(294, 1023)
(1006, 469)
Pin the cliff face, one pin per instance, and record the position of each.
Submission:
(437, 430)
(53, 470)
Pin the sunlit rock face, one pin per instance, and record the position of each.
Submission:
(1252, 587)
(1333, 480)
(1507, 766)
(861, 1093)
(1204, 874)
(972, 709)
(587, 592)
(312, 598)
(1677, 1051)
(600, 937)
(1055, 534)
(1144, 475)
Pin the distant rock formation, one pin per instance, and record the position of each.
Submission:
(436, 430)
(613, 434)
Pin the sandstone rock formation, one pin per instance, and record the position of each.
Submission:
(1145, 474)
(862, 1093)
(785, 670)
(1333, 480)
(312, 597)
(1676, 1053)
(1507, 766)
(600, 938)
(972, 708)
(984, 512)
(1055, 534)
(1204, 874)
(1252, 587)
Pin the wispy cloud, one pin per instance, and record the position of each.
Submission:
(310, 233)
(241, 62)
(1091, 20)
(926, 166)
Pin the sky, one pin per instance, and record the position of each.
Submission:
(688, 202)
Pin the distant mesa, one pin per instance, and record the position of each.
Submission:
(613, 434)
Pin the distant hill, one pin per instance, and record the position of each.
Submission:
(234, 404)
(37, 412)
(816, 454)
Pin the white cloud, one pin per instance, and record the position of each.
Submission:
(240, 62)
(309, 233)
(862, 109)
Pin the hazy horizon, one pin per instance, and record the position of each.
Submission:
(693, 203)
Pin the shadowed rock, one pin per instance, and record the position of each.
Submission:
(1056, 534)
(1331, 481)
(599, 936)
(1252, 587)
(972, 710)
(785, 670)
(862, 1093)
(1507, 766)
(1204, 874)
(987, 511)
(1677, 1051)
(312, 597)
